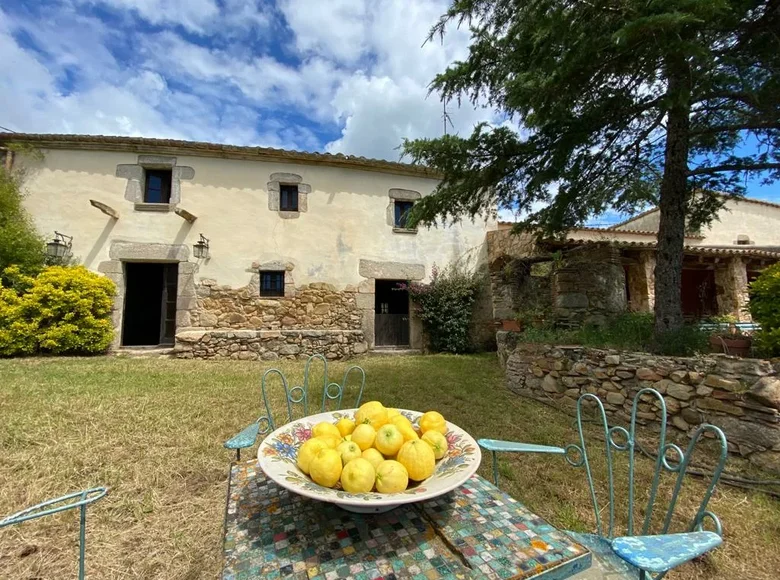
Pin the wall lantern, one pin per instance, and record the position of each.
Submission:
(201, 248)
(59, 248)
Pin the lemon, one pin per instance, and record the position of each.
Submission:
(373, 413)
(364, 436)
(325, 468)
(405, 427)
(433, 421)
(348, 450)
(373, 457)
(438, 443)
(330, 440)
(388, 440)
(345, 426)
(391, 477)
(393, 413)
(308, 451)
(358, 476)
(418, 459)
(325, 428)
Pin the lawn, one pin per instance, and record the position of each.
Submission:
(152, 430)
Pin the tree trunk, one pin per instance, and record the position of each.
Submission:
(672, 204)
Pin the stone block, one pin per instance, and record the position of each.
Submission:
(719, 382)
(766, 391)
(365, 301)
(612, 359)
(616, 398)
(571, 300)
(703, 391)
(551, 385)
(678, 376)
(133, 251)
(691, 416)
(712, 404)
(646, 374)
(682, 392)
(360, 347)
(391, 270)
(680, 423)
(190, 336)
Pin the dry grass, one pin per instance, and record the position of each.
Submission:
(152, 431)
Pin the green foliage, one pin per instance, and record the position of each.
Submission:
(445, 307)
(631, 331)
(765, 309)
(63, 310)
(20, 243)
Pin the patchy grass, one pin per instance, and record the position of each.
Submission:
(152, 430)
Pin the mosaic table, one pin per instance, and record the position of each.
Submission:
(476, 531)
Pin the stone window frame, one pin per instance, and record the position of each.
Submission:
(398, 194)
(258, 267)
(274, 194)
(136, 181)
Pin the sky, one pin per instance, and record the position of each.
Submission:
(346, 76)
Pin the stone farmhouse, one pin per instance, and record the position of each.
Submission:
(257, 253)
(601, 272)
(300, 252)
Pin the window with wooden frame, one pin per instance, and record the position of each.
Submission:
(158, 186)
(402, 209)
(272, 284)
(288, 197)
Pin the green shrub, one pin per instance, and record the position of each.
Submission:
(445, 307)
(630, 331)
(64, 310)
(765, 309)
(20, 244)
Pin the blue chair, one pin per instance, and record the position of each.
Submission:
(79, 499)
(637, 552)
(298, 395)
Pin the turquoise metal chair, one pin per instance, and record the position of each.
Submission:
(632, 554)
(79, 499)
(298, 395)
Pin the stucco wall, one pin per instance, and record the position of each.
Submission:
(757, 221)
(346, 218)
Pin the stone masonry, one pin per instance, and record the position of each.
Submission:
(741, 396)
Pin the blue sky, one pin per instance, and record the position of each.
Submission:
(344, 76)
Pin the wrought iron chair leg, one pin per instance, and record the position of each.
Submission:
(495, 469)
(238, 454)
(82, 539)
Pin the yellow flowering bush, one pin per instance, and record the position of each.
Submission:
(63, 310)
(765, 309)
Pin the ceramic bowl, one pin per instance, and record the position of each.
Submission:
(278, 452)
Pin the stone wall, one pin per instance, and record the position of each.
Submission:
(314, 306)
(269, 344)
(741, 396)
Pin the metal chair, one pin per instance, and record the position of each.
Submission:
(651, 556)
(85, 498)
(298, 395)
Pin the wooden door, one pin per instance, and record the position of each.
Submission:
(168, 304)
(391, 315)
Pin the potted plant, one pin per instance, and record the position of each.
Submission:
(730, 340)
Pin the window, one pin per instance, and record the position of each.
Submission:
(158, 186)
(271, 283)
(288, 197)
(402, 209)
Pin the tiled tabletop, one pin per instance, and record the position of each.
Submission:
(476, 531)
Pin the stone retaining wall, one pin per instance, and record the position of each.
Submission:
(741, 396)
(269, 344)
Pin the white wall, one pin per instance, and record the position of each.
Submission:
(346, 219)
(761, 223)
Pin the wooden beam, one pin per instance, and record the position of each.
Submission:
(184, 214)
(106, 209)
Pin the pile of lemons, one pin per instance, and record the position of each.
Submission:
(380, 450)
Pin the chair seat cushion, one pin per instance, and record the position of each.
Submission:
(662, 553)
(244, 439)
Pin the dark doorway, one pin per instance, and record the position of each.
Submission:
(150, 304)
(699, 297)
(391, 322)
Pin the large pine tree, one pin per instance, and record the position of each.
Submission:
(624, 103)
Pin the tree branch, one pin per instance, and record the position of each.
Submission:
(733, 167)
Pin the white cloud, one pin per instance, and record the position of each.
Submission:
(194, 15)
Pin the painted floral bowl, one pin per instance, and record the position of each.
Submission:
(278, 453)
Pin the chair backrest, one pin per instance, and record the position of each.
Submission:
(619, 439)
(297, 397)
